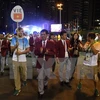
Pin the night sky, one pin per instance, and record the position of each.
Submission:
(45, 11)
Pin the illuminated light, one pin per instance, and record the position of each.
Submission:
(31, 28)
(99, 23)
(65, 25)
(59, 5)
(45, 26)
(26, 29)
(38, 6)
(56, 27)
(60, 8)
(97, 20)
(6, 26)
(4, 33)
(59, 37)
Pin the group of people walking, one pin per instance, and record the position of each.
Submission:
(47, 52)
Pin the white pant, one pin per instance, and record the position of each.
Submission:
(43, 76)
(7, 57)
(67, 64)
(34, 59)
(2, 63)
(73, 64)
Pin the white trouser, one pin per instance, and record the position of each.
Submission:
(2, 63)
(67, 64)
(34, 58)
(43, 77)
(7, 57)
(73, 64)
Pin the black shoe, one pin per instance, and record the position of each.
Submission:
(40, 96)
(62, 83)
(45, 87)
(71, 78)
(68, 84)
(96, 93)
(2, 73)
(16, 92)
(99, 75)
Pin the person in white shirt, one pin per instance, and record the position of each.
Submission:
(19, 47)
(90, 62)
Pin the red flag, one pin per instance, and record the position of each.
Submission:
(17, 16)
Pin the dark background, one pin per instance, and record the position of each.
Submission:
(38, 11)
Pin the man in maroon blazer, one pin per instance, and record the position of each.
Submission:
(33, 39)
(45, 51)
(4, 51)
(63, 47)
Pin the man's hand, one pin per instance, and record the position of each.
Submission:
(13, 48)
(18, 52)
(41, 49)
(46, 51)
(69, 49)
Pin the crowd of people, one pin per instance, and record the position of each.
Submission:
(46, 52)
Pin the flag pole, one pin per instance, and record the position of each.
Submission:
(17, 24)
(17, 41)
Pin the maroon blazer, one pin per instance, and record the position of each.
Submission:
(55, 43)
(4, 47)
(31, 43)
(50, 46)
(61, 49)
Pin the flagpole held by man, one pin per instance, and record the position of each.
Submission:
(19, 47)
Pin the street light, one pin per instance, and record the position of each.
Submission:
(59, 6)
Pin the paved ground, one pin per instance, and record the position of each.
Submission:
(54, 91)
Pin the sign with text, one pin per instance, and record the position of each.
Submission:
(17, 14)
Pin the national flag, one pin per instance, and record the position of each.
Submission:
(17, 16)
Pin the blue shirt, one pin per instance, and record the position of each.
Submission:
(23, 44)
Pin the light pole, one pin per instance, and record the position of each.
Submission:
(59, 6)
